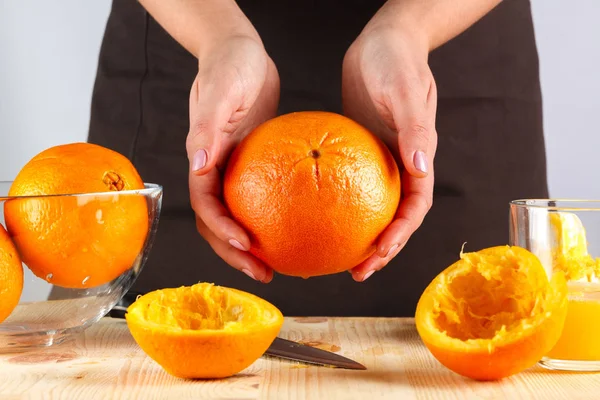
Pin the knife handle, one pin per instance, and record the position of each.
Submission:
(119, 309)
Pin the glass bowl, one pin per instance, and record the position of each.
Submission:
(88, 231)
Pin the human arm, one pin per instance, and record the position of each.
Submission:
(236, 88)
(388, 87)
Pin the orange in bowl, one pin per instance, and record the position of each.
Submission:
(77, 241)
(314, 190)
(203, 331)
(11, 275)
(493, 313)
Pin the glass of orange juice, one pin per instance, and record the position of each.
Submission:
(565, 236)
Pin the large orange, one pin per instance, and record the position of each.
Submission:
(314, 190)
(11, 275)
(82, 241)
(203, 331)
(493, 313)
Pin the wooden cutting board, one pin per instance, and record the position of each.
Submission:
(105, 363)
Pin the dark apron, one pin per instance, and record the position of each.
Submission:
(489, 121)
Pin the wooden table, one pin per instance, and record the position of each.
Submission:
(105, 363)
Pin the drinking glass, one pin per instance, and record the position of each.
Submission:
(565, 236)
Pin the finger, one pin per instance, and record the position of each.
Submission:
(239, 260)
(205, 193)
(209, 114)
(416, 202)
(364, 270)
(414, 119)
(269, 277)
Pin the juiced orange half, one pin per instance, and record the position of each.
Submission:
(493, 313)
(203, 331)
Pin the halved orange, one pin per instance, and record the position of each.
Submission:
(493, 313)
(203, 331)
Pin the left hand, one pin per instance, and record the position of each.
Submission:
(387, 86)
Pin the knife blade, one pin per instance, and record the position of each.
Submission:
(295, 351)
(280, 348)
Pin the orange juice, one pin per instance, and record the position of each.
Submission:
(580, 339)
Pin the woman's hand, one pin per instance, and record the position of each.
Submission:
(237, 88)
(388, 87)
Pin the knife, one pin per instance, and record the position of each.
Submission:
(280, 348)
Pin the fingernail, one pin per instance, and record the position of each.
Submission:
(368, 275)
(391, 251)
(236, 244)
(420, 161)
(199, 160)
(249, 273)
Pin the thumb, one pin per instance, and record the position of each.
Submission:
(414, 119)
(413, 141)
(208, 117)
(203, 145)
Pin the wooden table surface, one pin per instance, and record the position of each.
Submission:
(105, 363)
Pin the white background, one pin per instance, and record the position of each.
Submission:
(49, 49)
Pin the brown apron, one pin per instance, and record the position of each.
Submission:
(489, 121)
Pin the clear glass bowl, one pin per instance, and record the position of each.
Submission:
(48, 314)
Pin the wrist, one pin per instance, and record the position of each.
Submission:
(236, 27)
(434, 21)
(199, 26)
(227, 40)
(399, 21)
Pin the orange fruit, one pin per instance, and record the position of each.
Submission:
(77, 241)
(493, 313)
(203, 331)
(11, 275)
(314, 190)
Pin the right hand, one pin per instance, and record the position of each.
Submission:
(236, 89)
